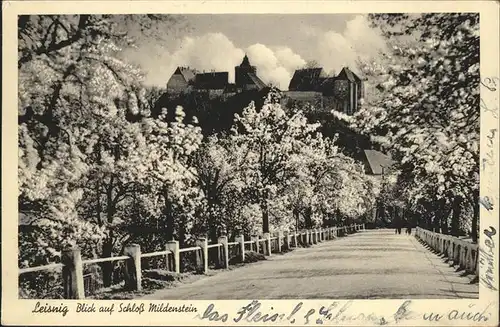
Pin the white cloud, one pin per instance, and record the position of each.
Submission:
(214, 51)
(288, 59)
(274, 66)
(358, 40)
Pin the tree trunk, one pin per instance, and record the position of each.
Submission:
(169, 220)
(428, 222)
(214, 238)
(308, 217)
(265, 217)
(438, 216)
(444, 221)
(455, 218)
(107, 267)
(212, 225)
(296, 216)
(182, 234)
(382, 214)
(436, 223)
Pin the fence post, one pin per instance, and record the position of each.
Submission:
(72, 273)
(267, 244)
(468, 259)
(133, 271)
(224, 257)
(203, 244)
(255, 240)
(241, 239)
(173, 246)
(295, 239)
(203, 261)
(286, 240)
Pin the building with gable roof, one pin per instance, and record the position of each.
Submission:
(342, 92)
(307, 80)
(376, 162)
(187, 80)
(181, 79)
(246, 76)
(211, 81)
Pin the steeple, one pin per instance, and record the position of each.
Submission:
(243, 73)
(245, 62)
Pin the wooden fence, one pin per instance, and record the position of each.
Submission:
(72, 263)
(458, 252)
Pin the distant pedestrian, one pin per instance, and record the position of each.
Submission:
(408, 230)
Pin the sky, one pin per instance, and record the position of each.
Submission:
(277, 44)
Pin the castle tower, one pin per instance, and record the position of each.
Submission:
(242, 78)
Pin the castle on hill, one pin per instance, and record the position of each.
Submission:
(342, 92)
(310, 85)
(186, 79)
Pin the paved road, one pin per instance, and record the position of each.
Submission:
(368, 265)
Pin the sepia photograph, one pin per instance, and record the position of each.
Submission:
(246, 163)
(227, 157)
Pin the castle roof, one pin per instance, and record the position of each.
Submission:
(346, 73)
(257, 81)
(245, 62)
(307, 79)
(211, 80)
(186, 72)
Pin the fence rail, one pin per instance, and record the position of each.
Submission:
(76, 283)
(458, 252)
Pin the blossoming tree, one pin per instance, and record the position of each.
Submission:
(427, 110)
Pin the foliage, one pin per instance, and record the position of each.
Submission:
(81, 159)
(291, 169)
(102, 165)
(427, 110)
